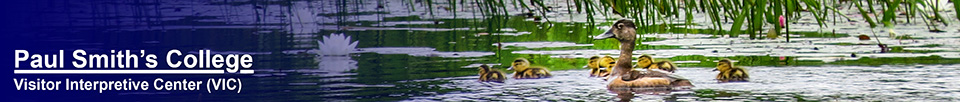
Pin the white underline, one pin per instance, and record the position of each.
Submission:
(205, 71)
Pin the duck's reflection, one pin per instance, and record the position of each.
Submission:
(625, 94)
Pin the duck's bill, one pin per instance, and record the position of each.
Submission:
(608, 34)
(511, 68)
(585, 66)
(714, 69)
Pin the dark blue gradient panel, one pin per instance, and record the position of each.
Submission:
(45, 27)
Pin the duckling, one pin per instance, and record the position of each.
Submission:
(600, 66)
(729, 73)
(594, 66)
(647, 62)
(522, 70)
(624, 76)
(606, 62)
(490, 75)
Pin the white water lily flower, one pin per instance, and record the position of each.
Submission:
(336, 45)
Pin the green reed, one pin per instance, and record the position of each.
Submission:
(746, 16)
(956, 8)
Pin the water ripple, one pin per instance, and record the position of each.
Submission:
(827, 83)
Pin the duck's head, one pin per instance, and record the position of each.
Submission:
(644, 61)
(592, 63)
(519, 64)
(607, 62)
(723, 65)
(484, 68)
(623, 30)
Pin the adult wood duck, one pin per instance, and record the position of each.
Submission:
(623, 74)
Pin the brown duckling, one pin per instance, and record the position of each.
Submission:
(490, 75)
(647, 62)
(623, 74)
(523, 70)
(729, 73)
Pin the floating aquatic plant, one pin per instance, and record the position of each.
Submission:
(336, 45)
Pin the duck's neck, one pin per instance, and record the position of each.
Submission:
(626, 53)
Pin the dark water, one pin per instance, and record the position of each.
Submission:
(407, 51)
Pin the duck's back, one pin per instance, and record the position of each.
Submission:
(533, 73)
(734, 74)
(641, 82)
(652, 78)
(664, 65)
(492, 76)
